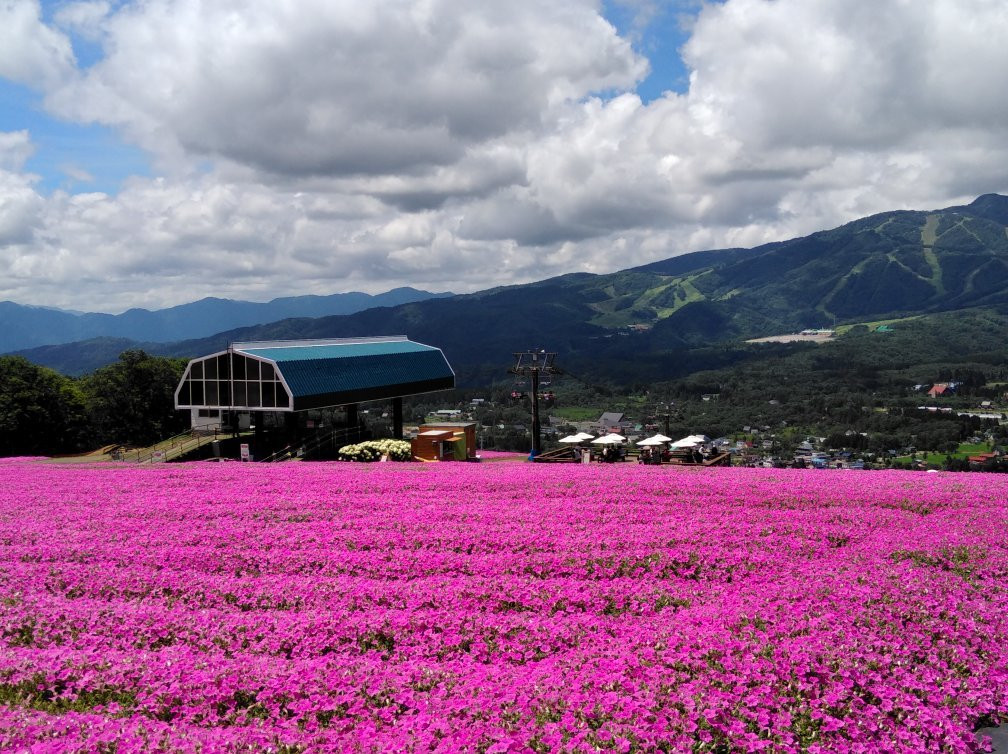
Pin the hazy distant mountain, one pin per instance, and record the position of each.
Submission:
(28, 326)
(673, 317)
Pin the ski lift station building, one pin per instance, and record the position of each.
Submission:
(295, 377)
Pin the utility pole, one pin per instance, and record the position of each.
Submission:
(665, 412)
(535, 364)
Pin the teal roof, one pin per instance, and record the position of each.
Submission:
(330, 373)
(311, 377)
(309, 351)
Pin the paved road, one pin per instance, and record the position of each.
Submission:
(999, 737)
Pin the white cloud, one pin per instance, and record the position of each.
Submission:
(857, 74)
(15, 149)
(83, 18)
(20, 204)
(324, 145)
(316, 87)
(30, 52)
(76, 172)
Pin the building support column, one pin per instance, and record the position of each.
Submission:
(352, 422)
(397, 430)
(257, 435)
(536, 429)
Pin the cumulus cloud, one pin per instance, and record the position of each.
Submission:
(15, 149)
(848, 75)
(30, 52)
(324, 145)
(83, 18)
(20, 204)
(316, 87)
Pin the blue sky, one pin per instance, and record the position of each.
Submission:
(190, 148)
(657, 37)
(69, 156)
(74, 157)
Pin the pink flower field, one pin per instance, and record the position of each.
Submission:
(499, 607)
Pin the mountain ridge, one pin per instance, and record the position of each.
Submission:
(665, 317)
(25, 326)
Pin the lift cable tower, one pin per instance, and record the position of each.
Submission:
(665, 410)
(537, 365)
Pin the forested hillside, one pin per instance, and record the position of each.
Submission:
(130, 401)
(672, 318)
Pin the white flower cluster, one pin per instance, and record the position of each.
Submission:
(373, 450)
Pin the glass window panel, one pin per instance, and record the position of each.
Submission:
(210, 367)
(196, 370)
(197, 392)
(253, 369)
(253, 394)
(269, 394)
(183, 393)
(267, 371)
(211, 393)
(238, 362)
(239, 394)
(281, 395)
(224, 393)
(223, 367)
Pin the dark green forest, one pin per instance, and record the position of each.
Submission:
(130, 402)
(859, 391)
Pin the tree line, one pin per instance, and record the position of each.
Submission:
(858, 391)
(129, 402)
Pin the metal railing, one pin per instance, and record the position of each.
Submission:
(342, 434)
(186, 442)
(167, 450)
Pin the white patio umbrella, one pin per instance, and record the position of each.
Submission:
(661, 438)
(686, 442)
(652, 441)
(611, 439)
(584, 436)
(571, 439)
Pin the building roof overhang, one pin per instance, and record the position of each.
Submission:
(322, 373)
